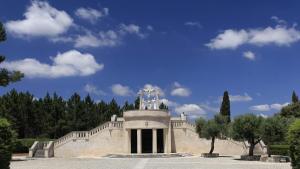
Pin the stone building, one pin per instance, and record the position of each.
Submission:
(147, 130)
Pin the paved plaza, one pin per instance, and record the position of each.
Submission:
(145, 163)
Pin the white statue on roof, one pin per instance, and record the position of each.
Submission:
(149, 98)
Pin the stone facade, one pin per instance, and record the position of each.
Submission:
(116, 137)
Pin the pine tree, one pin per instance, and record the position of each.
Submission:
(162, 106)
(137, 103)
(295, 98)
(6, 77)
(225, 107)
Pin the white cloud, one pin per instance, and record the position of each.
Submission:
(279, 35)
(169, 103)
(41, 19)
(229, 39)
(267, 107)
(110, 38)
(193, 110)
(70, 63)
(249, 55)
(238, 98)
(121, 90)
(160, 91)
(90, 14)
(262, 107)
(150, 28)
(193, 24)
(262, 115)
(92, 89)
(103, 39)
(131, 29)
(180, 91)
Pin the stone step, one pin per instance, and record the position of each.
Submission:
(39, 153)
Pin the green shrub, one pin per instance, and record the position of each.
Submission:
(23, 145)
(279, 150)
(294, 142)
(7, 139)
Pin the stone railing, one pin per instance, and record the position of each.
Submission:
(85, 135)
(182, 124)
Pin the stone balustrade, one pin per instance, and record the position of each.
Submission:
(182, 124)
(85, 135)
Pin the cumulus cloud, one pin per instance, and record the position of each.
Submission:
(267, 107)
(249, 55)
(121, 90)
(131, 29)
(109, 38)
(104, 39)
(169, 103)
(157, 88)
(280, 35)
(92, 89)
(240, 98)
(179, 90)
(193, 24)
(41, 19)
(70, 63)
(193, 110)
(90, 14)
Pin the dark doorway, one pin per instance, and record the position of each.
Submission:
(133, 141)
(160, 140)
(147, 141)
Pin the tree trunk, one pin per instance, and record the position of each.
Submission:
(251, 149)
(268, 150)
(212, 145)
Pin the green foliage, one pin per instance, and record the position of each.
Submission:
(294, 142)
(7, 140)
(279, 150)
(23, 145)
(7, 77)
(127, 107)
(225, 106)
(274, 130)
(2, 33)
(295, 98)
(162, 106)
(52, 116)
(210, 129)
(291, 110)
(137, 103)
(248, 127)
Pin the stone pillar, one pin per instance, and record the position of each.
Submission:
(139, 141)
(127, 145)
(154, 141)
(166, 140)
(169, 138)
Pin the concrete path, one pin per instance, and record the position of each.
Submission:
(145, 163)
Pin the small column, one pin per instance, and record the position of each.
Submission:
(166, 140)
(154, 141)
(139, 141)
(127, 141)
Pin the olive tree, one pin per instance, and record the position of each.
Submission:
(209, 129)
(274, 130)
(248, 127)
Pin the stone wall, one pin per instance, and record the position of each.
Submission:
(188, 141)
(106, 142)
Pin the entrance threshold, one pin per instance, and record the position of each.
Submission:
(148, 155)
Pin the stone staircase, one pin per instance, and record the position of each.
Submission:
(42, 149)
(86, 135)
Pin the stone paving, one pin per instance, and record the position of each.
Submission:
(145, 163)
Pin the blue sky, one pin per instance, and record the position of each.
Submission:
(192, 51)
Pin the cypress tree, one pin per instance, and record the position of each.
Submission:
(295, 98)
(225, 106)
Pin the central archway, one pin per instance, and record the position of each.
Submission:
(147, 141)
